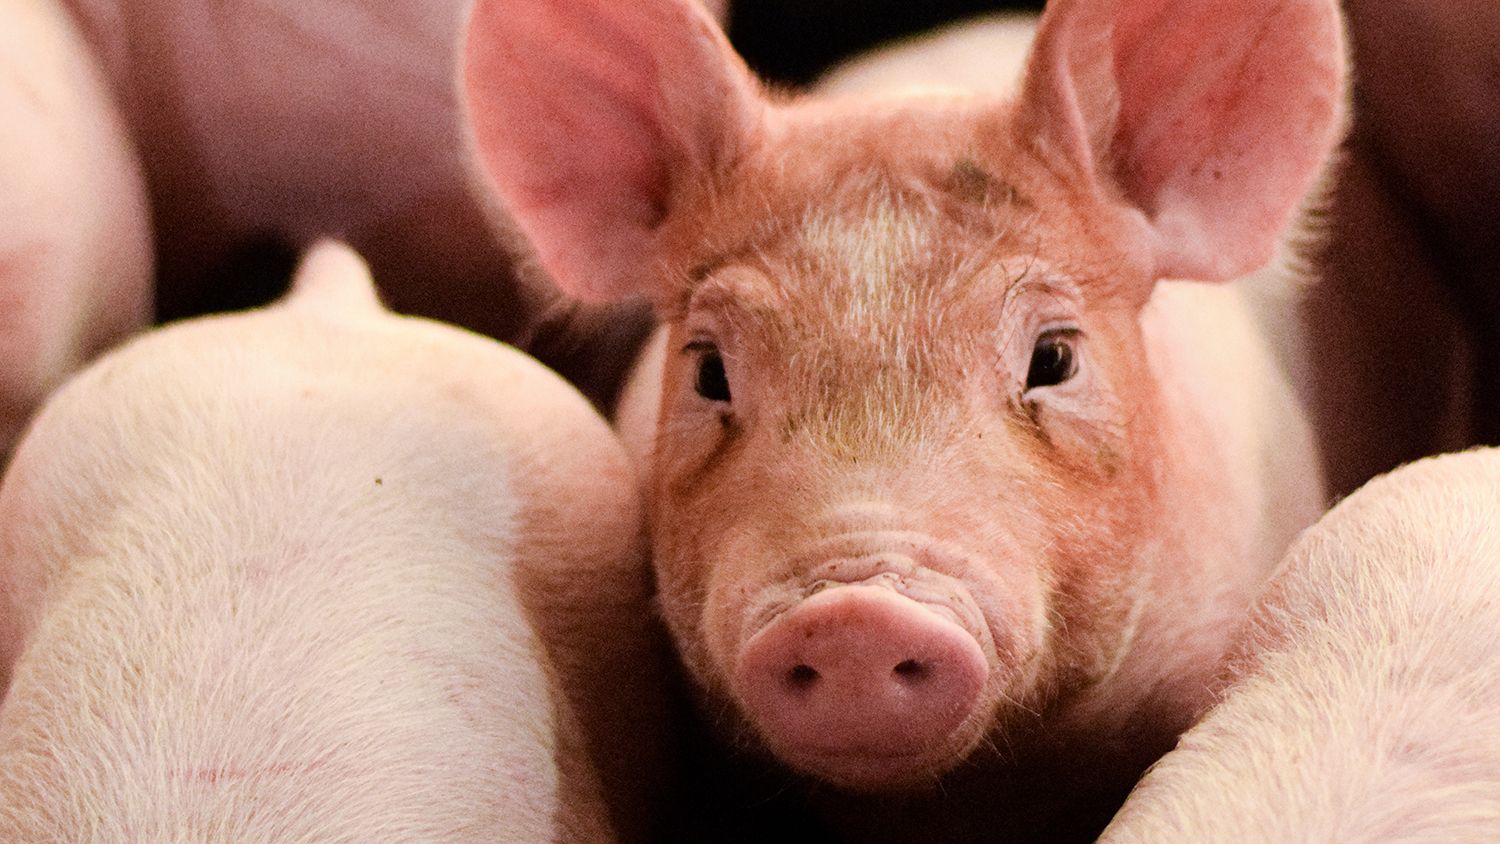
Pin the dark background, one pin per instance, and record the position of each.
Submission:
(790, 41)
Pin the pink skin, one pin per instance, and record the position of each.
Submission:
(856, 675)
(851, 457)
(1362, 702)
(75, 251)
(317, 572)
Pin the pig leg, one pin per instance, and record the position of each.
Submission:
(1365, 698)
(75, 259)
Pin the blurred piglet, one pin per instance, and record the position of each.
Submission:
(75, 249)
(231, 126)
(953, 493)
(1365, 704)
(321, 573)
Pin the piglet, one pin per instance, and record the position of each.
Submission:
(1365, 702)
(269, 122)
(955, 492)
(321, 573)
(75, 239)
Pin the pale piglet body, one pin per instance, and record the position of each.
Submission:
(1364, 702)
(322, 573)
(75, 250)
(954, 493)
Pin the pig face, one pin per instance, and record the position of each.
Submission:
(919, 472)
(909, 396)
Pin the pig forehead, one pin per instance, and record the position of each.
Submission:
(890, 201)
(886, 263)
(872, 318)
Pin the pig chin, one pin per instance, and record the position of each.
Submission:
(871, 673)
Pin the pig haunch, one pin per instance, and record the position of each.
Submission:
(1365, 697)
(322, 573)
(952, 480)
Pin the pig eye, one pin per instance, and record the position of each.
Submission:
(711, 383)
(1053, 359)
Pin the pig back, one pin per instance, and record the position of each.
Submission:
(1365, 704)
(281, 577)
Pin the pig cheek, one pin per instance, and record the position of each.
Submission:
(1012, 599)
(747, 574)
(681, 586)
(1104, 573)
(676, 461)
(694, 519)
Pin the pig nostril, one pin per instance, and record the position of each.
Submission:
(910, 670)
(801, 676)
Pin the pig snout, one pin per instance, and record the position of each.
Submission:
(864, 686)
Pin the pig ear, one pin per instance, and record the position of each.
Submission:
(590, 117)
(1213, 120)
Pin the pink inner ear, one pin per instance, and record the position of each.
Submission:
(1220, 156)
(587, 114)
(1223, 117)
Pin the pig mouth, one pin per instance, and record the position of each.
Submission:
(873, 772)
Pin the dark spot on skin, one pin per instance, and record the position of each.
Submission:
(379, 482)
(1218, 175)
(1109, 462)
(726, 421)
(654, 213)
(972, 183)
(1033, 414)
(701, 271)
